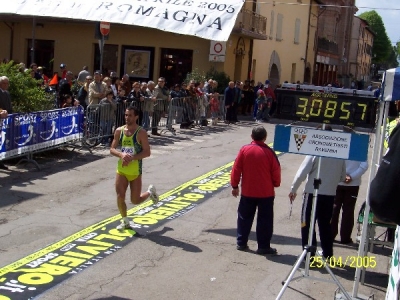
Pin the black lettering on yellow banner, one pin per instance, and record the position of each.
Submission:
(34, 274)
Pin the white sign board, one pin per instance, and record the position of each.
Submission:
(217, 51)
(208, 20)
(319, 142)
(216, 58)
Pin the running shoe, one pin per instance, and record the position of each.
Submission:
(124, 225)
(153, 194)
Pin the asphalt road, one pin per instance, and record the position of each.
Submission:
(190, 257)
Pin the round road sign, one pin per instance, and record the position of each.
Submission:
(104, 28)
(218, 47)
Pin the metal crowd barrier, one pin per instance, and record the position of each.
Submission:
(101, 120)
(28, 133)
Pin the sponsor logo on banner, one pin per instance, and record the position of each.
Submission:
(24, 133)
(5, 134)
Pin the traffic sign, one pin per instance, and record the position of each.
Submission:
(104, 28)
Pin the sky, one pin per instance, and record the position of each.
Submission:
(389, 10)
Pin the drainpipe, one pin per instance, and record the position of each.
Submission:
(308, 40)
(33, 40)
(250, 63)
(11, 27)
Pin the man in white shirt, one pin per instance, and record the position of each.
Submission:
(345, 200)
(332, 171)
(83, 74)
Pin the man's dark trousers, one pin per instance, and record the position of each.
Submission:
(323, 216)
(265, 220)
(229, 114)
(346, 198)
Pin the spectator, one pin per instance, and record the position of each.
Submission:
(192, 100)
(257, 168)
(229, 94)
(274, 103)
(43, 76)
(34, 68)
(114, 85)
(149, 102)
(64, 71)
(65, 86)
(162, 97)
(214, 106)
(125, 84)
(5, 98)
(5, 105)
(258, 87)
(175, 107)
(97, 89)
(248, 98)
(83, 74)
(270, 95)
(83, 94)
(121, 106)
(237, 99)
(346, 198)
(66, 101)
(108, 82)
(202, 102)
(143, 87)
(186, 122)
(136, 98)
(332, 171)
(3, 114)
(260, 102)
(107, 115)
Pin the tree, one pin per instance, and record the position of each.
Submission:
(392, 59)
(26, 95)
(381, 49)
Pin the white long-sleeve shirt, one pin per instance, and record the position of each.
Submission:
(332, 172)
(355, 169)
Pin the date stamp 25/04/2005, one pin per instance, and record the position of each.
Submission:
(351, 261)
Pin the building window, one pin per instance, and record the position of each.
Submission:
(279, 27)
(271, 29)
(297, 32)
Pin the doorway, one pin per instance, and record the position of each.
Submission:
(110, 59)
(43, 53)
(274, 75)
(175, 64)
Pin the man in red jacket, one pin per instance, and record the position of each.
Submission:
(258, 169)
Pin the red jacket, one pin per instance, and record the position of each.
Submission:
(258, 167)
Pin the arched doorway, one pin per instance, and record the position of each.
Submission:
(307, 74)
(274, 69)
(274, 75)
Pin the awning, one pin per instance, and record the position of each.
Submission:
(212, 20)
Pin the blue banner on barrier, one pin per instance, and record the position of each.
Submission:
(24, 133)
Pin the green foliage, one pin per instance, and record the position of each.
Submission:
(196, 75)
(392, 59)
(26, 95)
(220, 77)
(381, 49)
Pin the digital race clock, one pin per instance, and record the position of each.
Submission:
(327, 107)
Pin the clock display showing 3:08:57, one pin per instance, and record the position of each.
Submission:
(338, 109)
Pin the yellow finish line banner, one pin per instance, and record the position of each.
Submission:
(42, 270)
